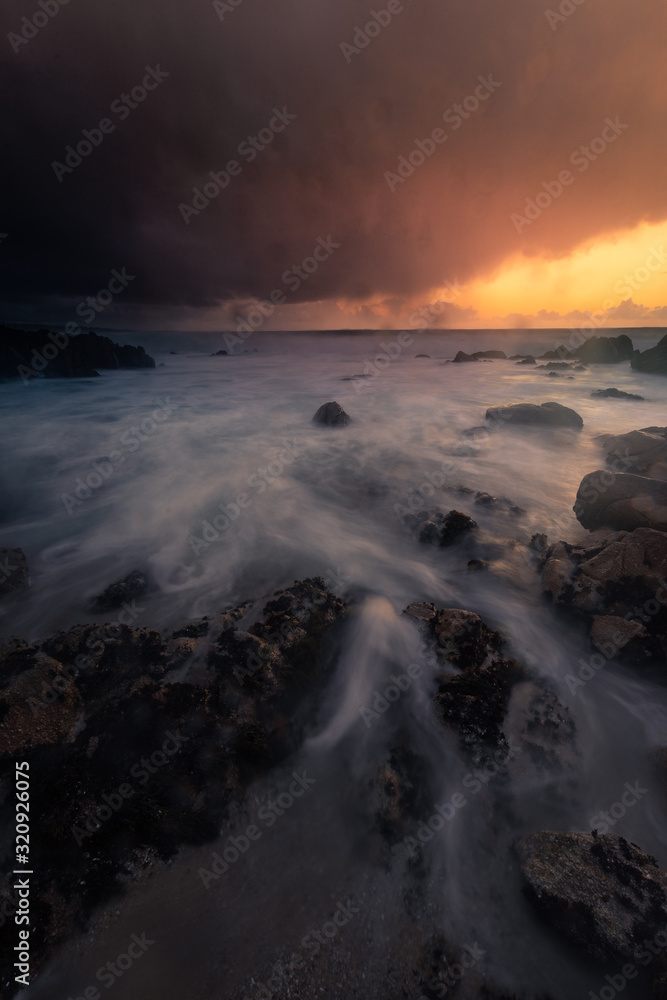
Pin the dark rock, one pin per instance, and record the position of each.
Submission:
(614, 394)
(454, 526)
(462, 356)
(554, 375)
(605, 350)
(477, 565)
(654, 360)
(561, 353)
(497, 355)
(422, 355)
(622, 504)
(643, 453)
(14, 573)
(603, 893)
(530, 360)
(580, 368)
(217, 354)
(429, 533)
(556, 366)
(497, 503)
(118, 593)
(530, 414)
(79, 358)
(331, 415)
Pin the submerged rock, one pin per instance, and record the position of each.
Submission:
(454, 526)
(621, 502)
(331, 415)
(530, 360)
(119, 593)
(14, 575)
(654, 360)
(531, 414)
(614, 394)
(601, 892)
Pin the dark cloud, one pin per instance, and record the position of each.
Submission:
(324, 174)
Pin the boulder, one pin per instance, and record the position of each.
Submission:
(641, 452)
(462, 356)
(621, 502)
(614, 394)
(654, 360)
(530, 360)
(605, 350)
(601, 892)
(561, 353)
(530, 414)
(454, 526)
(14, 573)
(497, 355)
(331, 415)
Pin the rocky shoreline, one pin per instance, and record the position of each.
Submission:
(139, 743)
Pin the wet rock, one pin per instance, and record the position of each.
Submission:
(621, 502)
(654, 360)
(121, 592)
(605, 350)
(580, 368)
(477, 565)
(613, 632)
(601, 892)
(530, 360)
(14, 575)
(455, 526)
(422, 355)
(491, 355)
(530, 414)
(497, 503)
(462, 356)
(614, 394)
(556, 366)
(331, 415)
(643, 452)
(429, 533)
(216, 354)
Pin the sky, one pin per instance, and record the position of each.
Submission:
(442, 163)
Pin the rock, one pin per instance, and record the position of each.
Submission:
(429, 533)
(641, 452)
(422, 355)
(530, 360)
(621, 502)
(556, 366)
(477, 565)
(601, 892)
(605, 350)
(530, 414)
(216, 354)
(614, 394)
(14, 573)
(654, 360)
(498, 503)
(118, 593)
(561, 353)
(79, 357)
(454, 526)
(611, 632)
(580, 368)
(492, 355)
(331, 415)
(554, 375)
(462, 356)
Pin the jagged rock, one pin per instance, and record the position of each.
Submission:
(614, 394)
(561, 353)
(603, 893)
(331, 415)
(654, 360)
(641, 452)
(605, 350)
(462, 356)
(454, 526)
(530, 414)
(78, 357)
(14, 573)
(117, 594)
(621, 502)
